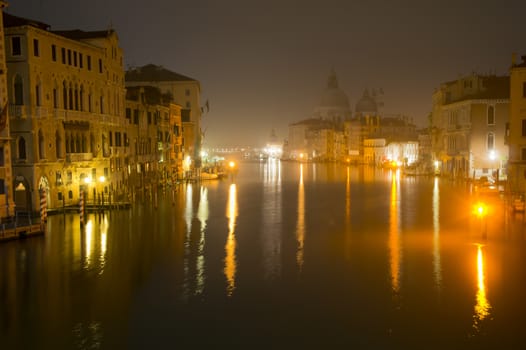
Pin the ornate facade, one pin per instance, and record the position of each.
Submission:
(66, 104)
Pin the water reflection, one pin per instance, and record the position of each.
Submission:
(88, 241)
(394, 232)
(202, 216)
(437, 266)
(230, 247)
(482, 306)
(271, 219)
(348, 212)
(300, 224)
(188, 215)
(103, 242)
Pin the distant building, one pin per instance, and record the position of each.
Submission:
(468, 126)
(334, 103)
(66, 110)
(154, 135)
(517, 127)
(185, 92)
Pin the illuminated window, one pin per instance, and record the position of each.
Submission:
(491, 141)
(491, 115)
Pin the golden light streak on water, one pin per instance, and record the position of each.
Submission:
(202, 216)
(300, 225)
(394, 234)
(482, 306)
(89, 243)
(437, 265)
(230, 247)
(103, 243)
(188, 215)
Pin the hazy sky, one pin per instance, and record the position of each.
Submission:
(264, 64)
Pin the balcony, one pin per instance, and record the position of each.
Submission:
(78, 157)
(18, 111)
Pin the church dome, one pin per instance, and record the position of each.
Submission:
(334, 102)
(366, 105)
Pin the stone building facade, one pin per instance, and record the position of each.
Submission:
(66, 104)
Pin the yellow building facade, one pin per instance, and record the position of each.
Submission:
(517, 127)
(67, 104)
(6, 177)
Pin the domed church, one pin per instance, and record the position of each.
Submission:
(366, 105)
(334, 105)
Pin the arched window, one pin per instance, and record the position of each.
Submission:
(491, 141)
(491, 115)
(70, 93)
(81, 98)
(76, 97)
(58, 145)
(22, 148)
(38, 94)
(92, 145)
(19, 91)
(84, 144)
(77, 144)
(41, 145)
(67, 143)
(65, 95)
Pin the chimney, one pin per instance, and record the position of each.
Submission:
(513, 59)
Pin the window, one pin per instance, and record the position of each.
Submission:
(2, 186)
(22, 148)
(58, 176)
(111, 138)
(69, 178)
(149, 117)
(69, 57)
(55, 98)
(2, 161)
(89, 62)
(63, 54)
(100, 65)
(524, 89)
(523, 154)
(491, 141)
(491, 115)
(16, 47)
(38, 99)
(128, 113)
(41, 145)
(80, 60)
(187, 92)
(187, 104)
(524, 128)
(136, 117)
(54, 53)
(36, 50)
(19, 91)
(75, 58)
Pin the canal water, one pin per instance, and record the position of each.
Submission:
(279, 255)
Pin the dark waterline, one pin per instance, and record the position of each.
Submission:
(282, 255)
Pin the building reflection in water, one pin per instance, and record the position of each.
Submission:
(88, 242)
(437, 266)
(230, 247)
(188, 215)
(103, 242)
(348, 212)
(394, 232)
(271, 219)
(202, 216)
(482, 307)
(300, 225)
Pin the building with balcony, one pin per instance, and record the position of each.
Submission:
(6, 175)
(66, 103)
(468, 126)
(184, 91)
(155, 137)
(517, 128)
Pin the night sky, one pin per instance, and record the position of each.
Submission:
(264, 64)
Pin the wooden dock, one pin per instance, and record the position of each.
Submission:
(9, 232)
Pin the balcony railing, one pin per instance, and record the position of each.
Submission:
(18, 111)
(78, 157)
